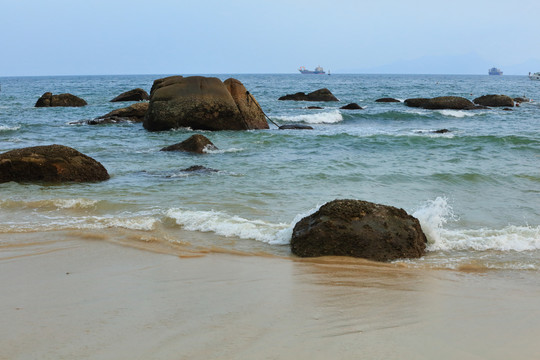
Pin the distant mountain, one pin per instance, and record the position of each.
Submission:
(468, 64)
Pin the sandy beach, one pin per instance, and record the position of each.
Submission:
(69, 297)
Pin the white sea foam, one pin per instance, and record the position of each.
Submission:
(459, 113)
(328, 117)
(74, 203)
(9, 128)
(437, 213)
(229, 226)
(222, 151)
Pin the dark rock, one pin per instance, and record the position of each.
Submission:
(441, 102)
(417, 102)
(507, 109)
(448, 102)
(351, 106)
(317, 95)
(495, 101)
(314, 107)
(203, 103)
(195, 143)
(441, 131)
(50, 100)
(51, 163)
(387, 100)
(359, 229)
(295, 127)
(132, 113)
(132, 95)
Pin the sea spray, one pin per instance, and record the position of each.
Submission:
(432, 216)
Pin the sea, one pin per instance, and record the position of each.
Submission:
(475, 188)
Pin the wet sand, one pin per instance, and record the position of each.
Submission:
(70, 297)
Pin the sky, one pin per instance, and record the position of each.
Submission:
(95, 37)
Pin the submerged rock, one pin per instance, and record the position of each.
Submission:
(318, 95)
(199, 169)
(203, 103)
(132, 95)
(68, 100)
(387, 100)
(195, 143)
(295, 127)
(495, 101)
(359, 229)
(51, 163)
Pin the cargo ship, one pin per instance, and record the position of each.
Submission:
(318, 70)
(495, 71)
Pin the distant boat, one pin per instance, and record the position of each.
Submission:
(495, 71)
(535, 76)
(318, 70)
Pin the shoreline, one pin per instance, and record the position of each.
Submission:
(71, 297)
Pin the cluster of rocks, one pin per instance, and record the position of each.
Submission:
(461, 103)
(339, 228)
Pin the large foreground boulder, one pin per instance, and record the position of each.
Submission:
(132, 95)
(494, 101)
(50, 100)
(196, 143)
(441, 102)
(359, 229)
(317, 95)
(51, 163)
(202, 103)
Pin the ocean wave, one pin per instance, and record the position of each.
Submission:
(329, 117)
(78, 203)
(9, 128)
(460, 113)
(435, 214)
(229, 225)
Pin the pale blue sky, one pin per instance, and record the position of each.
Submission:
(69, 37)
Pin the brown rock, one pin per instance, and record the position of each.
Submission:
(195, 143)
(203, 103)
(359, 229)
(132, 95)
(495, 101)
(51, 163)
(133, 113)
(50, 100)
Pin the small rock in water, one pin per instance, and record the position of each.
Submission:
(295, 127)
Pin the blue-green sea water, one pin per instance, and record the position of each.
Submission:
(475, 189)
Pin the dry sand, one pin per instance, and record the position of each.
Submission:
(74, 298)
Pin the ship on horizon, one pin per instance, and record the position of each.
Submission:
(318, 70)
(495, 71)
